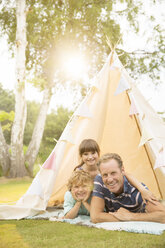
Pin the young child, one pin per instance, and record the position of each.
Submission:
(77, 198)
(89, 153)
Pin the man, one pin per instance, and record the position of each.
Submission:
(122, 202)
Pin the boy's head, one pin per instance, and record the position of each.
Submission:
(81, 185)
(79, 178)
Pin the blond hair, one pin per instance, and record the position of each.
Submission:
(79, 178)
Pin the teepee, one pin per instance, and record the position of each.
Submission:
(117, 116)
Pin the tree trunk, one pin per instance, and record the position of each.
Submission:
(17, 156)
(4, 154)
(34, 145)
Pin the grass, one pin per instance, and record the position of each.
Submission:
(46, 234)
(12, 189)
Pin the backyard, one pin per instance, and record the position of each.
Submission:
(45, 233)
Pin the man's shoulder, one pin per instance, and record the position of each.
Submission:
(99, 189)
(129, 188)
(98, 178)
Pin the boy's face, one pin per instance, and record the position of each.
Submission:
(81, 192)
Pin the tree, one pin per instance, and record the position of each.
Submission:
(54, 126)
(17, 159)
(7, 101)
(52, 26)
(17, 167)
(55, 123)
(32, 113)
(41, 54)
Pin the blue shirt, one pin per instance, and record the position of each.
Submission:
(69, 203)
(130, 199)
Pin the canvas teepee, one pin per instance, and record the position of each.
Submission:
(116, 115)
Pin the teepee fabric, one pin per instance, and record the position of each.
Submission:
(133, 109)
(117, 116)
(160, 159)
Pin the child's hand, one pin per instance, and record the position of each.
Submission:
(148, 196)
(87, 196)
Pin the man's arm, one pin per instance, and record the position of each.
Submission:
(155, 213)
(97, 211)
(145, 193)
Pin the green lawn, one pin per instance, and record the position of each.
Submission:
(47, 234)
(12, 189)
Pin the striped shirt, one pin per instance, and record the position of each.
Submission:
(130, 199)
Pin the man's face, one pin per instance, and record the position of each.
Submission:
(112, 176)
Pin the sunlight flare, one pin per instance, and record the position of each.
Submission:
(75, 66)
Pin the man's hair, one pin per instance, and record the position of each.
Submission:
(80, 177)
(108, 156)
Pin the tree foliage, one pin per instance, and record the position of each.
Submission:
(54, 126)
(56, 29)
(7, 101)
(56, 26)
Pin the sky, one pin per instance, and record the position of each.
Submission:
(155, 95)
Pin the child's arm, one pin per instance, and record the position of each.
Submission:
(86, 205)
(74, 211)
(71, 206)
(146, 194)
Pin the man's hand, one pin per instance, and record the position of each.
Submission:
(122, 214)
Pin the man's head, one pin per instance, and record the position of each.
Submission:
(111, 169)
